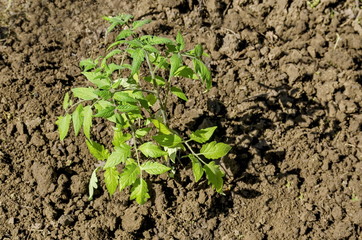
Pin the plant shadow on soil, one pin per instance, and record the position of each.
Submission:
(248, 126)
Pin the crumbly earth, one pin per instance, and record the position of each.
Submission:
(287, 96)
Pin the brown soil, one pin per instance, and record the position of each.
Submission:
(287, 96)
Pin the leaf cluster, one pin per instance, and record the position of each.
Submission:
(137, 75)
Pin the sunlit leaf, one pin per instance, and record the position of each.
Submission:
(214, 176)
(202, 135)
(214, 150)
(154, 168)
(77, 117)
(139, 191)
(111, 176)
(150, 149)
(63, 125)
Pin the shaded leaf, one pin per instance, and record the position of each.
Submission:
(198, 50)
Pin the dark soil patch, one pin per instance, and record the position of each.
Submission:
(287, 96)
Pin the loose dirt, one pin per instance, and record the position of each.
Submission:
(287, 95)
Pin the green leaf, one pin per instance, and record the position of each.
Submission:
(119, 137)
(214, 150)
(185, 72)
(176, 63)
(151, 99)
(214, 176)
(178, 92)
(93, 184)
(128, 108)
(139, 191)
(160, 81)
(129, 175)
(87, 120)
(138, 57)
(167, 140)
(109, 55)
(66, 101)
(202, 135)
(124, 97)
(88, 64)
(155, 40)
(97, 78)
(111, 176)
(63, 125)
(154, 168)
(97, 150)
(106, 112)
(197, 169)
(84, 93)
(104, 94)
(161, 127)
(115, 44)
(110, 68)
(198, 50)
(140, 23)
(172, 153)
(120, 155)
(151, 49)
(150, 149)
(118, 20)
(180, 41)
(124, 34)
(77, 119)
(203, 71)
(142, 132)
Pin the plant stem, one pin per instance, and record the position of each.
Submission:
(193, 153)
(162, 106)
(133, 130)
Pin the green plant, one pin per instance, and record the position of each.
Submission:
(131, 87)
